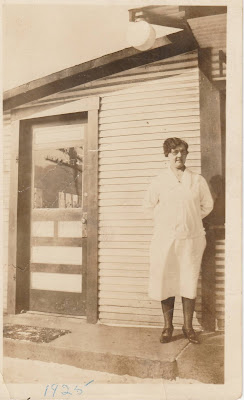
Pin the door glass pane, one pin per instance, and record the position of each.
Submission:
(58, 177)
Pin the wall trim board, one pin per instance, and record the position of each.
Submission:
(12, 235)
(77, 106)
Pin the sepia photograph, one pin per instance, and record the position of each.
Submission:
(115, 179)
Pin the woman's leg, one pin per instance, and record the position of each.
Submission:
(168, 311)
(188, 310)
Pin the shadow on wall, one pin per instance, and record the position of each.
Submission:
(217, 187)
(217, 219)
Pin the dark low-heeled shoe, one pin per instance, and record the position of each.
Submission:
(166, 335)
(190, 334)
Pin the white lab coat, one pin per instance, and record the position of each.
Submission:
(179, 239)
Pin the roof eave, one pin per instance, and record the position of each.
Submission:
(169, 46)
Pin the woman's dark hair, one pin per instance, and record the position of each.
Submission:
(172, 143)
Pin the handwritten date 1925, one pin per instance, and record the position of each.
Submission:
(64, 390)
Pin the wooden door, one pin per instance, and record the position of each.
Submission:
(58, 218)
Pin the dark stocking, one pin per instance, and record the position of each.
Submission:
(188, 310)
(168, 311)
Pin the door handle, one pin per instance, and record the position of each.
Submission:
(84, 224)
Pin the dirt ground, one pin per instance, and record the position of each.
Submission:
(28, 371)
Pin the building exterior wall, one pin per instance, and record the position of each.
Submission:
(133, 123)
(139, 109)
(212, 30)
(6, 195)
(220, 283)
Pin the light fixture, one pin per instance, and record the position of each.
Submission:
(141, 35)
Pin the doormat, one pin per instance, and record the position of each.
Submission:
(32, 333)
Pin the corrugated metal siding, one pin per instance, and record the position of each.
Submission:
(132, 126)
(6, 179)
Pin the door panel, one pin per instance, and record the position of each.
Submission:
(58, 250)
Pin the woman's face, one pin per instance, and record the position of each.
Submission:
(177, 157)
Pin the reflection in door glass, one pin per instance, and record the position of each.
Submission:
(58, 178)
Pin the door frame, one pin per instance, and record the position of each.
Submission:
(17, 299)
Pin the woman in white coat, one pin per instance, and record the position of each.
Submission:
(180, 199)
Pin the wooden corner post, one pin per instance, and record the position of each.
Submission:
(13, 203)
(19, 219)
(92, 217)
(211, 169)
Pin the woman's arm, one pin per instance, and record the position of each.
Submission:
(206, 200)
(152, 196)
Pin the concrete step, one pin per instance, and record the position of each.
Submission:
(118, 350)
(203, 362)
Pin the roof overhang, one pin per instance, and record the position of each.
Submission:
(168, 46)
(174, 16)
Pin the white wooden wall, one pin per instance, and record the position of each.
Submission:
(139, 109)
(133, 124)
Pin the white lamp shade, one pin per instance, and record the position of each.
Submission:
(141, 35)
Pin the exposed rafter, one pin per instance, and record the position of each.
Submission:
(174, 16)
(175, 44)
